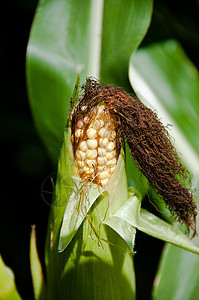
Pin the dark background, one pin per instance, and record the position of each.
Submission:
(25, 163)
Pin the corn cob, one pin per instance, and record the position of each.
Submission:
(94, 143)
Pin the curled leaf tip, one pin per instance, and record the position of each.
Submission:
(148, 139)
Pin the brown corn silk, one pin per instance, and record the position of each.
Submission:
(149, 143)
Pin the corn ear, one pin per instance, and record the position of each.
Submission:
(90, 253)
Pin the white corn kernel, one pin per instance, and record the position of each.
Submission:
(88, 171)
(97, 124)
(110, 146)
(104, 181)
(83, 108)
(100, 168)
(91, 154)
(83, 146)
(80, 124)
(101, 151)
(112, 169)
(78, 133)
(101, 160)
(90, 163)
(110, 155)
(111, 162)
(80, 155)
(92, 144)
(103, 174)
(103, 142)
(112, 135)
(86, 120)
(103, 132)
(91, 133)
(80, 163)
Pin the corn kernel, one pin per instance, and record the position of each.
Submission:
(80, 124)
(103, 174)
(88, 171)
(91, 133)
(80, 155)
(91, 154)
(101, 151)
(112, 135)
(103, 142)
(111, 162)
(86, 120)
(92, 144)
(103, 132)
(83, 146)
(90, 163)
(104, 181)
(112, 169)
(78, 133)
(110, 146)
(101, 160)
(97, 124)
(80, 163)
(111, 155)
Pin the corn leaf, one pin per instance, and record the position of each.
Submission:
(36, 269)
(8, 290)
(132, 213)
(94, 38)
(164, 77)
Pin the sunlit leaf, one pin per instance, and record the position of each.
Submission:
(8, 289)
(167, 81)
(133, 214)
(36, 269)
(89, 37)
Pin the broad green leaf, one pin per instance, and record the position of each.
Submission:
(94, 38)
(35, 266)
(164, 77)
(132, 213)
(179, 270)
(8, 289)
(124, 229)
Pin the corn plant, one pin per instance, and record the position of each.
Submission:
(112, 147)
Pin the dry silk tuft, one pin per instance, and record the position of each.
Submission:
(103, 118)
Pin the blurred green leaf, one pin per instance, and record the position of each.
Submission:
(166, 80)
(89, 37)
(8, 289)
(36, 269)
(178, 275)
(179, 270)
